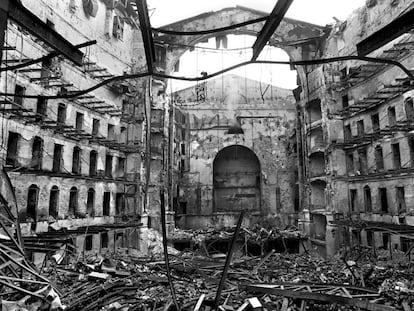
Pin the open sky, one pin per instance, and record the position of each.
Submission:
(313, 11)
(321, 12)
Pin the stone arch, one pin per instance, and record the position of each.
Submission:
(295, 37)
(236, 180)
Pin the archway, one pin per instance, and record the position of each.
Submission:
(298, 39)
(236, 180)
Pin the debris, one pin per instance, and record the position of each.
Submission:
(243, 306)
(99, 276)
(255, 304)
(199, 302)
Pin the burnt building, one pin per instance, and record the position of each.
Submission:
(235, 155)
(75, 162)
(331, 155)
(356, 121)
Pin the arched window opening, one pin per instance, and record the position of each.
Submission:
(73, 201)
(32, 201)
(54, 202)
(90, 203)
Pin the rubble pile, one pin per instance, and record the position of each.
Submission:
(126, 280)
(256, 241)
(118, 281)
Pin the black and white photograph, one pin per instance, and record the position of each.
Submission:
(221, 155)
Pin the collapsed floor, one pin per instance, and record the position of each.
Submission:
(358, 278)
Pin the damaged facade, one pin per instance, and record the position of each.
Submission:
(355, 121)
(99, 158)
(76, 163)
(238, 154)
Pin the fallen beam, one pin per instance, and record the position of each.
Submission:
(228, 260)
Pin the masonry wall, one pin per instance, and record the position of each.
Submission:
(107, 121)
(351, 110)
(267, 121)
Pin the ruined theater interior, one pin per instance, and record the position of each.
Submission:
(163, 155)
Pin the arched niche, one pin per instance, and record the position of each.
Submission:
(236, 180)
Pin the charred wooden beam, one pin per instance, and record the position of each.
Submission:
(397, 27)
(14, 10)
(270, 26)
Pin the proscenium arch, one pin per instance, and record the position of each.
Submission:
(236, 180)
(289, 30)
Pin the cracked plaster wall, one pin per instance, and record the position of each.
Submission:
(269, 122)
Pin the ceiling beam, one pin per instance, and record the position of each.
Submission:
(145, 25)
(270, 26)
(35, 26)
(396, 28)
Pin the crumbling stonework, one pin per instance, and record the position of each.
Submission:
(76, 162)
(355, 135)
(234, 113)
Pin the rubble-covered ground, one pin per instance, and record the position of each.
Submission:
(122, 281)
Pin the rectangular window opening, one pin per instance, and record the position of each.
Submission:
(400, 196)
(88, 243)
(360, 128)
(379, 158)
(57, 158)
(375, 122)
(106, 203)
(353, 194)
(108, 166)
(12, 149)
(392, 119)
(396, 156)
(347, 132)
(79, 121)
(104, 240)
(345, 101)
(383, 199)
